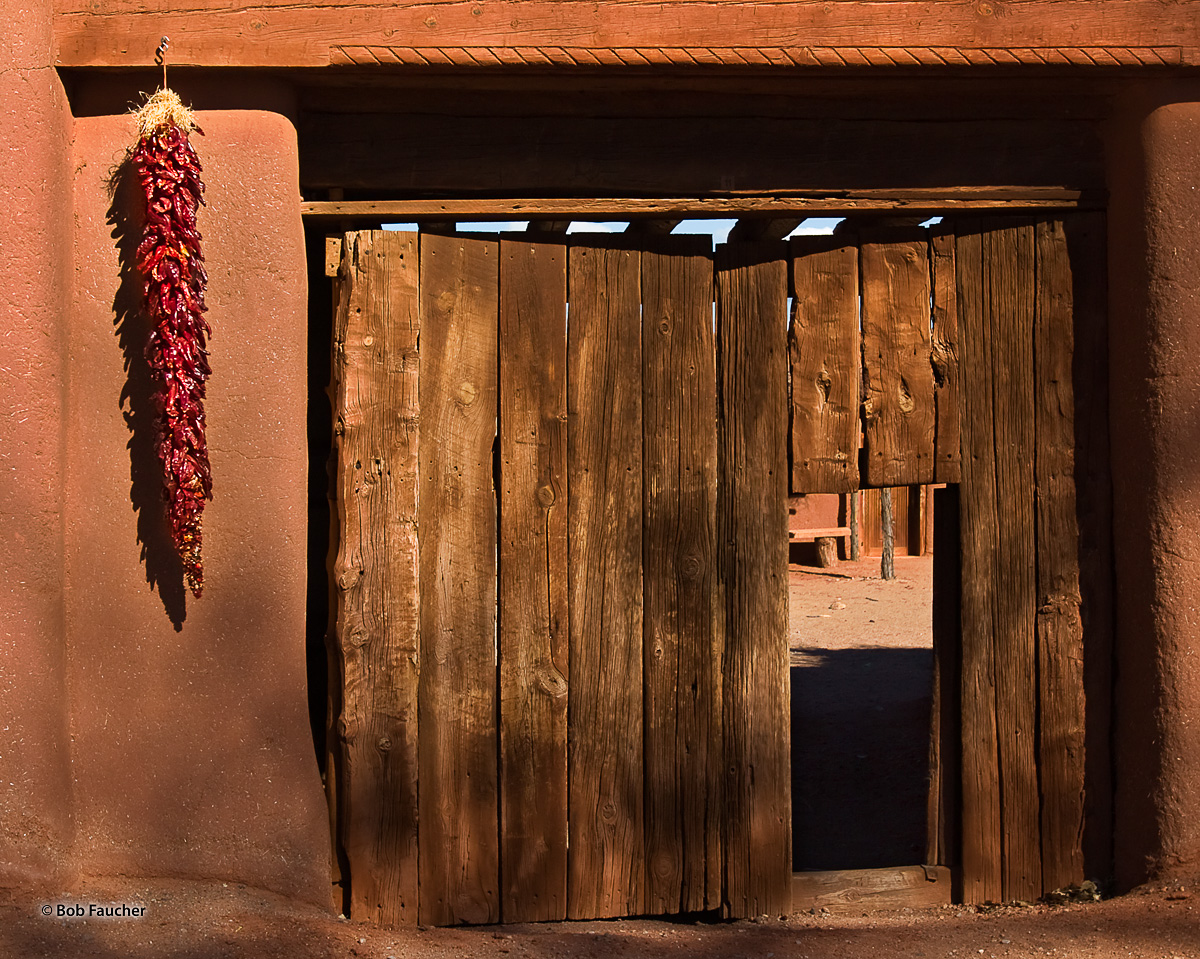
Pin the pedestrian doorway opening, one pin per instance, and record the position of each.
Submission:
(861, 678)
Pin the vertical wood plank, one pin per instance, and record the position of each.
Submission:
(683, 612)
(825, 352)
(606, 861)
(981, 814)
(1059, 622)
(533, 581)
(944, 345)
(899, 410)
(1013, 295)
(1088, 250)
(752, 534)
(459, 826)
(376, 406)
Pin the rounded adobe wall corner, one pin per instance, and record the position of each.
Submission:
(1154, 230)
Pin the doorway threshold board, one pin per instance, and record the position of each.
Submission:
(893, 887)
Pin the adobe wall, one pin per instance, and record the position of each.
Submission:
(35, 132)
(193, 754)
(1154, 230)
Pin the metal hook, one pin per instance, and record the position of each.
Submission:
(160, 57)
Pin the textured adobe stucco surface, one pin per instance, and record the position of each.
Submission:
(1155, 333)
(35, 239)
(192, 749)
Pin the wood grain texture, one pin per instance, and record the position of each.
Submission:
(635, 156)
(1009, 260)
(458, 800)
(947, 449)
(533, 613)
(376, 410)
(574, 33)
(1087, 247)
(915, 887)
(982, 853)
(824, 347)
(898, 411)
(683, 609)
(606, 865)
(752, 535)
(649, 211)
(1059, 620)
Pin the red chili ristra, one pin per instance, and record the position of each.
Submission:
(172, 266)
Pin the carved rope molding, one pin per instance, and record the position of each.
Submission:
(759, 56)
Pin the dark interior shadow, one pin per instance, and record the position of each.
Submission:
(860, 757)
(164, 570)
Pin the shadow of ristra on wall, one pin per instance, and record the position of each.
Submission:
(164, 571)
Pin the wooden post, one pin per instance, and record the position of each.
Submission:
(826, 551)
(888, 567)
(854, 537)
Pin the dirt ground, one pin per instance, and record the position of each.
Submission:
(854, 636)
(228, 921)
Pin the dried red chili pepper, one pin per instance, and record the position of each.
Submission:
(172, 266)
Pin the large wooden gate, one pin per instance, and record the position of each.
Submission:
(561, 643)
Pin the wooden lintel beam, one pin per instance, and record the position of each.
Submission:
(578, 34)
(910, 202)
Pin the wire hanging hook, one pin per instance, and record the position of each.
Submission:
(160, 57)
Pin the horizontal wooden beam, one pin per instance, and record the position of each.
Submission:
(845, 204)
(891, 888)
(575, 34)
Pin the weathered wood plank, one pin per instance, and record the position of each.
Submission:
(1059, 621)
(825, 352)
(947, 448)
(1088, 250)
(1009, 261)
(459, 827)
(533, 581)
(578, 34)
(376, 410)
(915, 887)
(981, 814)
(683, 610)
(606, 862)
(752, 535)
(898, 409)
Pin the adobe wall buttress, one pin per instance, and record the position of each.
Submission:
(193, 751)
